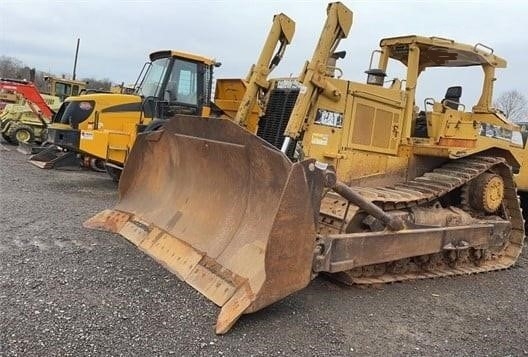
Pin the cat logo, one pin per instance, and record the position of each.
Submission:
(328, 118)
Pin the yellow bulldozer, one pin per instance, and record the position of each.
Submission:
(342, 178)
(105, 126)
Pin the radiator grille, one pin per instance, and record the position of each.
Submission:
(278, 110)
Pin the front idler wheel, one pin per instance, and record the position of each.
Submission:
(114, 173)
(486, 192)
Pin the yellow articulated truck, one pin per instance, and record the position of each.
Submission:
(346, 179)
(118, 118)
(175, 82)
(101, 125)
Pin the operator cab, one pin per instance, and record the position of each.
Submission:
(439, 116)
(63, 88)
(176, 82)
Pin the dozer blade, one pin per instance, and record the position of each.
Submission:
(222, 209)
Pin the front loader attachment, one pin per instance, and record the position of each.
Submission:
(61, 151)
(222, 209)
(54, 157)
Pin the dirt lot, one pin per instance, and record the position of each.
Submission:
(65, 290)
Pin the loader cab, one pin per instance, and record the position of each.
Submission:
(176, 83)
(63, 88)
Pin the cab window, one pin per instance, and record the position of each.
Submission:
(152, 81)
(62, 89)
(182, 86)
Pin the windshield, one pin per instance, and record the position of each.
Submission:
(153, 79)
(74, 113)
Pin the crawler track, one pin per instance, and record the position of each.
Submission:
(423, 190)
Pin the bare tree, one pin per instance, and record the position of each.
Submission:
(98, 84)
(513, 104)
(11, 67)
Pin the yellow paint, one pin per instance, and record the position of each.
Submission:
(184, 55)
(375, 139)
(229, 93)
(319, 139)
(110, 134)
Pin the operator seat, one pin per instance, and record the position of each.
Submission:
(452, 97)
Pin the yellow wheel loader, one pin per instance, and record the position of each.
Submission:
(174, 83)
(344, 182)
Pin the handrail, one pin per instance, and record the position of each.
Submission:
(483, 46)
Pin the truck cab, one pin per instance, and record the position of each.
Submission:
(172, 82)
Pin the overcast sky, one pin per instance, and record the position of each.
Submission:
(116, 36)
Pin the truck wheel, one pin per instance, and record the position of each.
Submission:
(97, 165)
(21, 133)
(114, 173)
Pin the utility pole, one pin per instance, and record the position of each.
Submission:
(75, 62)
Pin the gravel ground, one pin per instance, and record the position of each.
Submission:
(65, 290)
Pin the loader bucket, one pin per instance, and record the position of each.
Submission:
(53, 157)
(222, 209)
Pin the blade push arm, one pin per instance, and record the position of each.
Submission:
(281, 33)
(313, 76)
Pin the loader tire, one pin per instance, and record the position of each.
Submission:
(20, 133)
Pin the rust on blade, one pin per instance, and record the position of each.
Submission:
(107, 220)
(136, 233)
(234, 308)
(172, 253)
(222, 209)
(210, 283)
